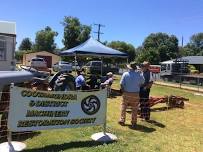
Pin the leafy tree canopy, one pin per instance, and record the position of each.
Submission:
(195, 46)
(44, 40)
(158, 47)
(26, 44)
(123, 47)
(75, 33)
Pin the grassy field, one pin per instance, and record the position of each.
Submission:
(172, 130)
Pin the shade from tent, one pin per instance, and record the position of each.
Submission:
(92, 47)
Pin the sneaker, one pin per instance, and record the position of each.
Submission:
(121, 123)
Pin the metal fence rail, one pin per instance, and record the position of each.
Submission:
(188, 82)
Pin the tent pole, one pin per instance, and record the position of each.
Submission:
(101, 66)
(75, 63)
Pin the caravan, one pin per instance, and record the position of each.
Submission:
(7, 45)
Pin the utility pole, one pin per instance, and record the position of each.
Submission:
(98, 32)
(182, 42)
(178, 54)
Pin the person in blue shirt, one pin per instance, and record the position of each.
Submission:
(80, 81)
(130, 83)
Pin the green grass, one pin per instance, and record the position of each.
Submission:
(174, 130)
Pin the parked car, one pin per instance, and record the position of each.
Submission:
(95, 67)
(38, 63)
(62, 66)
(75, 66)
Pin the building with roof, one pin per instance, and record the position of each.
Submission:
(50, 58)
(7, 45)
(197, 61)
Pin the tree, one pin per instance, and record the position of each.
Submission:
(19, 54)
(44, 40)
(124, 47)
(185, 51)
(158, 47)
(84, 34)
(150, 55)
(26, 44)
(74, 32)
(195, 46)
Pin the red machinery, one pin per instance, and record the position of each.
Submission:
(171, 101)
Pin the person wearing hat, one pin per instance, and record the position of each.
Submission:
(145, 91)
(60, 83)
(130, 83)
(109, 79)
(108, 83)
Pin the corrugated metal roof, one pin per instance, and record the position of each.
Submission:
(194, 59)
(38, 52)
(190, 59)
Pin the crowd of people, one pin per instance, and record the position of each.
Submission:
(82, 81)
(135, 86)
(82, 84)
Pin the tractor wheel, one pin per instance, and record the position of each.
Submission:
(180, 104)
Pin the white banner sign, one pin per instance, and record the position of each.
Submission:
(38, 110)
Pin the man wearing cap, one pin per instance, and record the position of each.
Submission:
(144, 92)
(108, 83)
(109, 79)
(60, 83)
(131, 82)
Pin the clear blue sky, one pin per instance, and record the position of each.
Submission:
(124, 20)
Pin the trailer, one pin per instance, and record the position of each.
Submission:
(173, 69)
(7, 45)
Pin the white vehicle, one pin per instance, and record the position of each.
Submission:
(62, 66)
(38, 63)
(171, 69)
(75, 66)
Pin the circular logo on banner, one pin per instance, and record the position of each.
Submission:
(90, 105)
